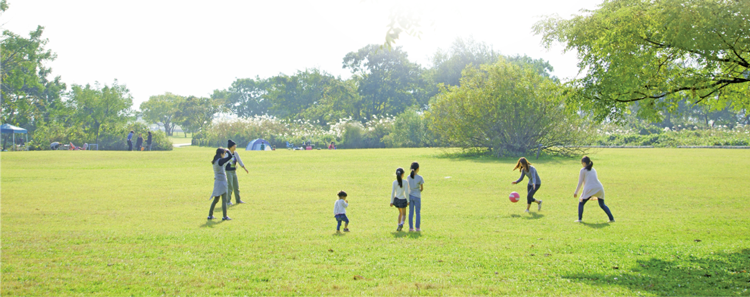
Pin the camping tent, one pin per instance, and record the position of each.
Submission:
(255, 145)
(10, 129)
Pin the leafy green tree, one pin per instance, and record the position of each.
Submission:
(339, 99)
(162, 110)
(507, 109)
(196, 113)
(410, 129)
(26, 92)
(291, 95)
(387, 81)
(657, 52)
(447, 65)
(99, 109)
(246, 97)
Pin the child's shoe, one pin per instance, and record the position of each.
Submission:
(346, 229)
(226, 219)
(399, 228)
(578, 221)
(540, 205)
(211, 217)
(411, 229)
(419, 230)
(526, 210)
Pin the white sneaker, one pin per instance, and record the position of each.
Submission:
(526, 210)
(578, 221)
(540, 205)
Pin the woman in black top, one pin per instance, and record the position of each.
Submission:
(139, 142)
(148, 140)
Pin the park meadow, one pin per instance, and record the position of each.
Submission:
(116, 223)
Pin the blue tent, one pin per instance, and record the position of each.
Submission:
(10, 129)
(255, 145)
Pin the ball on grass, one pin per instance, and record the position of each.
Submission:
(514, 197)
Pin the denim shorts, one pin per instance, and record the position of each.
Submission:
(341, 217)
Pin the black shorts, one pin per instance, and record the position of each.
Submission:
(531, 191)
(400, 203)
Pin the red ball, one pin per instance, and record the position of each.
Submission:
(514, 197)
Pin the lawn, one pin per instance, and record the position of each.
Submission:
(180, 138)
(134, 223)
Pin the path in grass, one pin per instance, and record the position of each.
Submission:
(123, 223)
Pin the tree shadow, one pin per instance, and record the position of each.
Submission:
(595, 226)
(406, 234)
(720, 274)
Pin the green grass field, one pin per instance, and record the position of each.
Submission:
(180, 138)
(125, 223)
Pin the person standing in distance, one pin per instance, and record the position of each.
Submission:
(149, 139)
(526, 169)
(416, 186)
(234, 185)
(592, 187)
(139, 143)
(130, 140)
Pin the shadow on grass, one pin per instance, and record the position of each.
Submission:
(595, 226)
(531, 216)
(720, 274)
(211, 223)
(406, 234)
(482, 157)
(338, 234)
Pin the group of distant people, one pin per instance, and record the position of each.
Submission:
(406, 192)
(139, 141)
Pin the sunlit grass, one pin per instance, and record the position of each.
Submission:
(114, 223)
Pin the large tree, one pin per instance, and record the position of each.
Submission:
(292, 94)
(196, 113)
(27, 93)
(387, 81)
(162, 110)
(100, 108)
(246, 97)
(657, 52)
(507, 108)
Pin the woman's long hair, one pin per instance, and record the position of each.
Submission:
(523, 164)
(399, 173)
(414, 166)
(219, 152)
(589, 164)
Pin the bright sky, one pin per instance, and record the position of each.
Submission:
(195, 47)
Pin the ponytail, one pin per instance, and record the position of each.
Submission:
(399, 173)
(414, 166)
(589, 164)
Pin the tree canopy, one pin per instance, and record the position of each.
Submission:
(657, 52)
(508, 108)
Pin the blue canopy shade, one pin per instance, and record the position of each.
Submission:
(7, 128)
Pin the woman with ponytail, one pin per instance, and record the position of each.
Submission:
(221, 186)
(416, 186)
(592, 187)
(400, 197)
(526, 169)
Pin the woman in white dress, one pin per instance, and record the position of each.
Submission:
(221, 186)
(591, 188)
